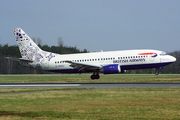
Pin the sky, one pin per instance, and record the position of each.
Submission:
(95, 25)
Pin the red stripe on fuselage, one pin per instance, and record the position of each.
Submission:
(147, 54)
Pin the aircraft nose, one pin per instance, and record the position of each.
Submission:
(173, 59)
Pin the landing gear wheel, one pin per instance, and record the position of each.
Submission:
(92, 77)
(157, 73)
(95, 76)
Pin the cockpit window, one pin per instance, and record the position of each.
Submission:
(163, 54)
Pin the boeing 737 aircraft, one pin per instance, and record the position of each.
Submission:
(112, 62)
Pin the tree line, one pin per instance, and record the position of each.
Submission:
(13, 67)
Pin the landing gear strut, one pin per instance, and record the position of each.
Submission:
(95, 75)
(157, 71)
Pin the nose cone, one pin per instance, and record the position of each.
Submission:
(168, 59)
(173, 59)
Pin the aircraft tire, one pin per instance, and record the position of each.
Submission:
(157, 73)
(95, 77)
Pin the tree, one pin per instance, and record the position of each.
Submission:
(34, 39)
(60, 42)
(39, 42)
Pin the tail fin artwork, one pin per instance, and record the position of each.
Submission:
(30, 51)
(26, 45)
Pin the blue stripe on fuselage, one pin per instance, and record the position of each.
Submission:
(123, 67)
(144, 66)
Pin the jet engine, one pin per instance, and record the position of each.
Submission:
(112, 69)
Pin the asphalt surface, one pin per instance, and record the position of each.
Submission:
(90, 85)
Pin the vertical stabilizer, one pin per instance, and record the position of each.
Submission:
(29, 50)
(26, 45)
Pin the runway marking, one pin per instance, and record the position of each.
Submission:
(90, 85)
(47, 85)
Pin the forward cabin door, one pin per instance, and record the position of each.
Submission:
(151, 58)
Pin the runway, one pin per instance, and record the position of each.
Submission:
(90, 85)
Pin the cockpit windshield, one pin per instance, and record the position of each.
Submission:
(163, 54)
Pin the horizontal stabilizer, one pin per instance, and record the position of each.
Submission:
(18, 59)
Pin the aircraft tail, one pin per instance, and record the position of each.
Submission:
(28, 49)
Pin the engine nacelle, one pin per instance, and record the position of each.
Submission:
(112, 69)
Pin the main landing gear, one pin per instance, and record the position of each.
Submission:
(95, 75)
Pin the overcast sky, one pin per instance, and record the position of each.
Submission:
(95, 24)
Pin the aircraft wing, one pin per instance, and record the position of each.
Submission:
(84, 66)
(19, 59)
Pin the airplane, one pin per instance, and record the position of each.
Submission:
(110, 62)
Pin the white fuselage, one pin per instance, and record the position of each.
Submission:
(127, 59)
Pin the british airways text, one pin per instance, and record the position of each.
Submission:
(130, 60)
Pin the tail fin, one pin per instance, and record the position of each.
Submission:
(28, 49)
(26, 45)
(30, 52)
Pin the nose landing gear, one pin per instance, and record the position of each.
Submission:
(157, 72)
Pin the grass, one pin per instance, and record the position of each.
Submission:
(36, 90)
(86, 78)
(102, 104)
(126, 103)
